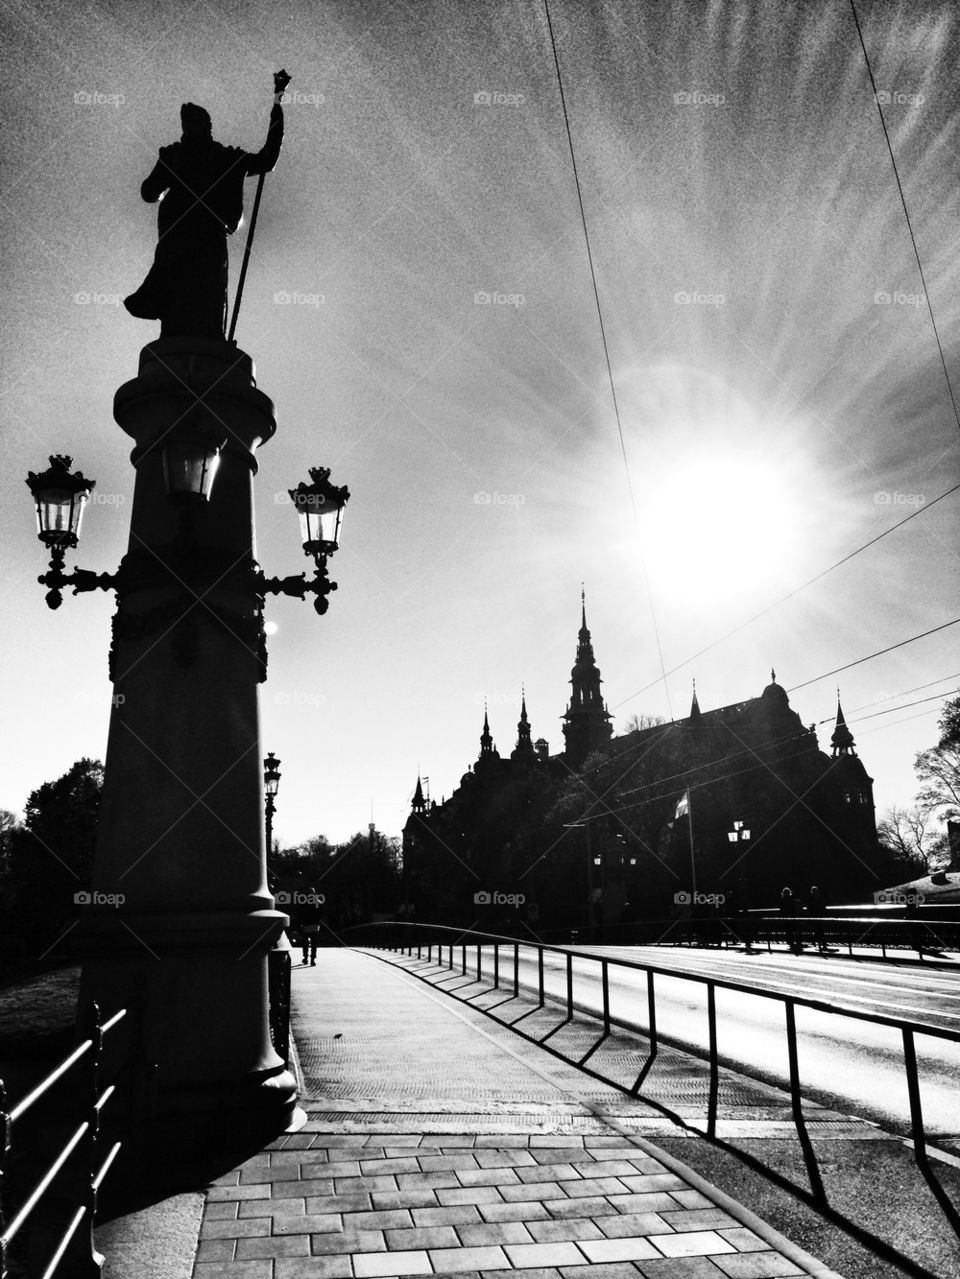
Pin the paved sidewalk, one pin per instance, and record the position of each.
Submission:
(438, 1142)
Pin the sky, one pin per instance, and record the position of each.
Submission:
(420, 308)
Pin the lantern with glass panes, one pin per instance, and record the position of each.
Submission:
(320, 508)
(60, 496)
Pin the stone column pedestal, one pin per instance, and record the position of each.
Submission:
(181, 920)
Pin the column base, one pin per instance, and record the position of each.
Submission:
(205, 1077)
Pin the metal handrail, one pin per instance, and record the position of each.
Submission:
(77, 1248)
(410, 933)
(922, 932)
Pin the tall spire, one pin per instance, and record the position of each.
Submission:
(842, 739)
(419, 804)
(694, 705)
(524, 749)
(586, 723)
(486, 738)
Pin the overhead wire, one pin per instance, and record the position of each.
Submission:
(664, 674)
(906, 211)
(790, 594)
(870, 656)
(603, 336)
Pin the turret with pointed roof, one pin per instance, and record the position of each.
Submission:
(489, 755)
(586, 724)
(842, 739)
(523, 753)
(694, 705)
(419, 804)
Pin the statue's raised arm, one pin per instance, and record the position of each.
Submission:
(265, 160)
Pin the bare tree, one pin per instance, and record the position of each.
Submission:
(907, 837)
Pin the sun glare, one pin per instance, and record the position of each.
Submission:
(720, 527)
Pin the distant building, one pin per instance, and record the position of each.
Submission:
(738, 801)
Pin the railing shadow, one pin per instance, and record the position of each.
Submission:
(815, 1195)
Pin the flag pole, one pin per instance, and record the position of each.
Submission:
(693, 864)
(280, 82)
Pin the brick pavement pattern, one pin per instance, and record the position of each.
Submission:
(435, 1145)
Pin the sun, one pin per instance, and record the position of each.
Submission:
(720, 525)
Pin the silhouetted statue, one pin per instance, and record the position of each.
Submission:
(199, 184)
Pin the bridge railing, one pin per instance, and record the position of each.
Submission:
(480, 956)
(924, 934)
(60, 1202)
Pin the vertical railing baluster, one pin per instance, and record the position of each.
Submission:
(796, 1102)
(606, 996)
(496, 966)
(516, 969)
(540, 973)
(913, 1092)
(714, 1063)
(569, 986)
(479, 961)
(4, 1156)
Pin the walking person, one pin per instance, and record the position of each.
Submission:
(311, 916)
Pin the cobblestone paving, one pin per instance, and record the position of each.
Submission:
(439, 1144)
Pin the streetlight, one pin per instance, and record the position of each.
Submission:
(271, 784)
(320, 508)
(189, 460)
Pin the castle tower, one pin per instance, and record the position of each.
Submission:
(418, 804)
(848, 768)
(489, 755)
(586, 723)
(523, 753)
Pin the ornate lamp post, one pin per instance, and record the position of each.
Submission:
(271, 784)
(180, 839)
(180, 842)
